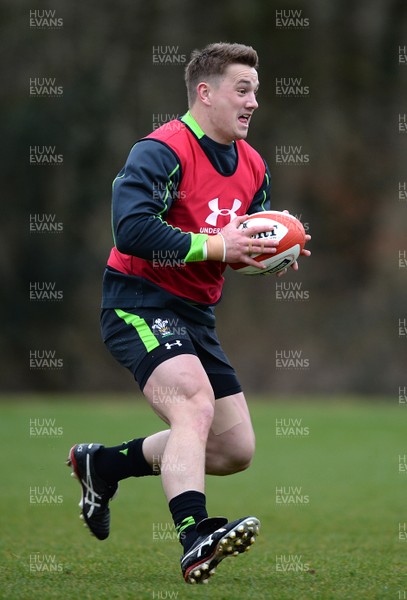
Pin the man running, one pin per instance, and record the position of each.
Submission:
(177, 206)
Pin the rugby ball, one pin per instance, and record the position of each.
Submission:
(287, 230)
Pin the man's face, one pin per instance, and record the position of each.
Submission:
(232, 103)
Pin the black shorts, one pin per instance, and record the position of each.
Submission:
(140, 339)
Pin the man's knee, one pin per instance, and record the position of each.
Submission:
(198, 410)
(232, 459)
(242, 457)
(193, 409)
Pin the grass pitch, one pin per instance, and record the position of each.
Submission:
(328, 483)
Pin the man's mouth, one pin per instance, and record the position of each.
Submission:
(245, 118)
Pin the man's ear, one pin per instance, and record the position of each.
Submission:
(204, 91)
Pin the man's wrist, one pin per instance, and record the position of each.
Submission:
(216, 247)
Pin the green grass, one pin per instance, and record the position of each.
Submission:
(345, 537)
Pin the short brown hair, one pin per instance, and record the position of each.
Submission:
(213, 60)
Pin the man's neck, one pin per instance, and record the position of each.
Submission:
(193, 124)
(196, 123)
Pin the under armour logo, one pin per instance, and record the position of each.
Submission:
(216, 211)
(176, 343)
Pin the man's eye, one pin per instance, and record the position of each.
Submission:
(242, 91)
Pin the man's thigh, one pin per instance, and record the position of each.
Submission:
(141, 339)
(177, 387)
(230, 411)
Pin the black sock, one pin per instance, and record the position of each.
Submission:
(120, 462)
(187, 510)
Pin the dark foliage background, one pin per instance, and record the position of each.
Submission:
(346, 324)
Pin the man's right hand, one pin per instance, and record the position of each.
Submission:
(239, 245)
